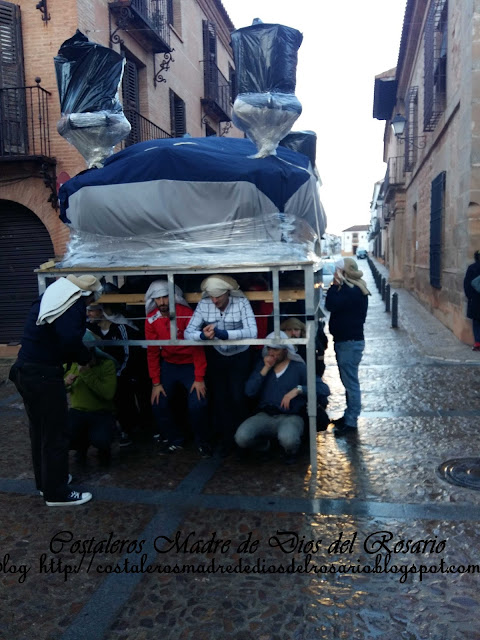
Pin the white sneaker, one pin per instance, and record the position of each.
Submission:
(69, 479)
(73, 499)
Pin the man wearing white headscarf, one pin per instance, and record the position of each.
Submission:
(224, 313)
(278, 381)
(347, 301)
(173, 366)
(132, 402)
(53, 335)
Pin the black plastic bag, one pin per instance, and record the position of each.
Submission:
(266, 58)
(88, 76)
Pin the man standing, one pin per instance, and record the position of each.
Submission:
(53, 336)
(473, 296)
(172, 366)
(278, 382)
(347, 302)
(224, 313)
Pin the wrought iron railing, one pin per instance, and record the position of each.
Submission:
(158, 14)
(142, 129)
(216, 87)
(24, 122)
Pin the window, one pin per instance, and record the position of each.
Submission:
(13, 120)
(177, 115)
(435, 76)
(232, 78)
(437, 204)
(210, 70)
(209, 131)
(130, 93)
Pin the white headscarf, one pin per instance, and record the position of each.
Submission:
(290, 348)
(159, 289)
(217, 285)
(116, 318)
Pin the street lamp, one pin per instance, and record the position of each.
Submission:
(398, 124)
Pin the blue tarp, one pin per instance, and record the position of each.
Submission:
(176, 186)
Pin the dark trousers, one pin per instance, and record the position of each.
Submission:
(171, 376)
(227, 376)
(93, 428)
(45, 399)
(132, 402)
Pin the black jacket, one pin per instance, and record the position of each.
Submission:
(348, 310)
(58, 342)
(473, 307)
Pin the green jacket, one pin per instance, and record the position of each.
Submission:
(94, 388)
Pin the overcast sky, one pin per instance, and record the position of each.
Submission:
(346, 43)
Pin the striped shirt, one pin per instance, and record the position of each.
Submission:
(237, 318)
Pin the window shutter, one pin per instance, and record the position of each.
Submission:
(130, 85)
(130, 94)
(13, 121)
(11, 49)
(178, 121)
(210, 71)
(436, 216)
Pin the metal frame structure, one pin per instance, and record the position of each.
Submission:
(312, 314)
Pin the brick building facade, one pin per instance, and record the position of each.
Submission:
(179, 78)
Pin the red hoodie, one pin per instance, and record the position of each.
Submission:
(157, 327)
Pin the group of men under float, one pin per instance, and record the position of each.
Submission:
(255, 396)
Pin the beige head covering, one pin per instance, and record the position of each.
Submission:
(294, 323)
(352, 276)
(87, 283)
(217, 285)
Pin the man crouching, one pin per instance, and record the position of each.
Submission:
(278, 382)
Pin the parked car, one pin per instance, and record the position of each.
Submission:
(328, 271)
(362, 254)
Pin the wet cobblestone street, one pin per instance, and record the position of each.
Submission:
(376, 546)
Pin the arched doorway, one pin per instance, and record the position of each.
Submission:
(24, 244)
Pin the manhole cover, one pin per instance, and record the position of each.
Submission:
(463, 472)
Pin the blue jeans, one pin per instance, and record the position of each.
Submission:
(183, 375)
(288, 428)
(349, 355)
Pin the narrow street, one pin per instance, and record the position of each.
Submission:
(377, 546)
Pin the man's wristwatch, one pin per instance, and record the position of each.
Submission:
(299, 388)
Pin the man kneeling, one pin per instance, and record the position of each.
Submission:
(277, 382)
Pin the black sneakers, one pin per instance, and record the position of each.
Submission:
(344, 430)
(73, 499)
(205, 451)
(168, 449)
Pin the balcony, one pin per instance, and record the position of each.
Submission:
(217, 99)
(147, 21)
(24, 123)
(395, 175)
(142, 129)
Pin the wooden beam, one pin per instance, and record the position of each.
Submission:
(286, 295)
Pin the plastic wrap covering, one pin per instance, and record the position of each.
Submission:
(270, 238)
(266, 118)
(94, 134)
(88, 78)
(177, 183)
(265, 62)
(302, 141)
